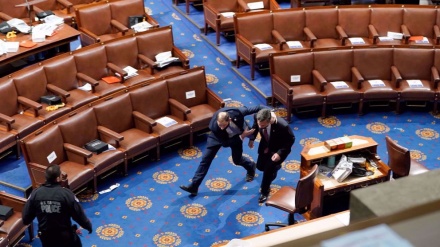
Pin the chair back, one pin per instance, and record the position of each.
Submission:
(399, 159)
(304, 190)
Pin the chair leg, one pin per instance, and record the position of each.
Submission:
(361, 107)
(217, 37)
(291, 219)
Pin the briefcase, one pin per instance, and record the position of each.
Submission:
(96, 146)
(50, 99)
(5, 212)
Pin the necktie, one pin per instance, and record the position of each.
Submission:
(266, 137)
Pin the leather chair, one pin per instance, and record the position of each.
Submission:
(419, 22)
(292, 200)
(300, 92)
(267, 5)
(322, 34)
(82, 128)
(60, 8)
(13, 227)
(253, 29)
(353, 23)
(213, 10)
(415, 64)
(371, 64)
(31, 84)
(11, 119)
(290, 25)
(61, 72)
(333, 67)
(93, 66)
(384, 20)
(400, 162)
(124, 52)
(9, 11)
(189, 88)
(96, 30)
(153, 101)
(116, 117)
(48, 142)
(156, 41)
(8, 141)
(121, 10)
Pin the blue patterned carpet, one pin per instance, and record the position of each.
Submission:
(149, 209)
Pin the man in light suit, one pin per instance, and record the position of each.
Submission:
(228, 129)
(276, 142)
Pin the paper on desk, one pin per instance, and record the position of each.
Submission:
(86, 87)
(228, 14)
(166, 121)
(380, 235)
(19, 24)
(2, 47)
(11, 46)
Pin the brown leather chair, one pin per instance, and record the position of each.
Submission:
(61, 72)
(294, 86)
(93, 66)
(116, 117)
(13, 227)
(353, 23)
(384, 20)
(9, 11)
(213, 10)
(267, 5)
(31, 84)
(400, 162)
(292, 200)
(121, 10)
(415, 64)
(10, 118)
(290, 25)
(82, 128)
(372, 64)
(153, 101)
(190, 89)
(322, 34)
(48, 142)
(334, 67)
(155, 41)
(419, 22)
(60, 8)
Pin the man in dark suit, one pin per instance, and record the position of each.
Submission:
(276, 142)
(228, 129)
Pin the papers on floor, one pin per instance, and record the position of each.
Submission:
(6, 47)
(376, 83)
(415, 83)
(86, 87)
(294, 44)
(141, 26)
(228, 14)
(339, 84)
(19, 24)
(53, 20)
(165, 58)
(256, 5)
(356, 41)
(166, 121)
(109, 189)
(263, 46)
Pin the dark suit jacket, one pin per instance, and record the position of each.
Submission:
(281, 138)
(237, 114)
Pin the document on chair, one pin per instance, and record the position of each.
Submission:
(395, 35)
(356, 41)
(141, 26)
(415, 83)
(165, 58)
(376, 83)
(86, 87)
(131, 72)
(263, 46)
(424, 40)
(228, 14)
(339, 84)
(256, 5)
(166, 121)
(294, 44)
(385, 39)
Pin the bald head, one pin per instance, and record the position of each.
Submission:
(223, 120)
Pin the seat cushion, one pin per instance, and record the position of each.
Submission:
(386, 92)
(24, 124)
(341, 95)
(200, 116)
(106, 160)
(283, 199)
(419, 93)
(306, 95)
(79, 174)
(172, 132)
(136, 142)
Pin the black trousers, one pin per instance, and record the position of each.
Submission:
(269, 169)
(57, 239)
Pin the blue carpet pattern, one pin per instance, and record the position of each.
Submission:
(149, 209)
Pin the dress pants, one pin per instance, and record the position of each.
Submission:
(66, 238)
(269, 169)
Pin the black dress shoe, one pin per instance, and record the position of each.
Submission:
(262, 198)
(250, 176)
(192, 191)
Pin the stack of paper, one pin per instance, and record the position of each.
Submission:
(141, 26)
(165, 58)
(54, 20)
(8, 47)
(356, 41)
(263, 46)
(19, 24)
(130, 72)
(294, 44)
(166, 121)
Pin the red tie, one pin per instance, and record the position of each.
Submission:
(266, 137)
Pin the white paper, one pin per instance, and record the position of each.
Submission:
(190, 94)
(263, 46)
(384, 38)
(54, 20)
(356, 41)
(19, 24)
(415, 83)
(109, 189)
(295, 78)
(86, 87)
(256, 5)
(422, 41)
(395, 35)
(318, 150)
(339, 84)
(3, 48)
(131, 72)
(166, 121)
(38, 37)
(165, 58)
(141, 26)
(51, 157)
(376, 83)
(12, 46)
(228, 14)
(45, 29)
(294, 44)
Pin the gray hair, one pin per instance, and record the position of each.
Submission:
(264, 115)
(223, 116)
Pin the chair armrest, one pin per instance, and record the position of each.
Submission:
(318, 80)
(373, 33)
(279, 39)
(13, 201)
(182, 57)
(281, 90)
(77, 154)
(214, 100)
(38, 173)
(396, 78)
(141, 120)
(58, 91)
(406, 33)
(145, 60)
(243, 5)
(5, 17)
(31, 104)
(66, 4)
(357, 78)
(437, 34)
(117, 71)
(119, 26)
(89, 34)
(87, 79)
(435, 77)
(8, 120)
(342, 34)
(178, 109)
(310, 36)
(107, 134)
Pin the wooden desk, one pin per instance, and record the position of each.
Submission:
(328, 193)
(64, 35)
